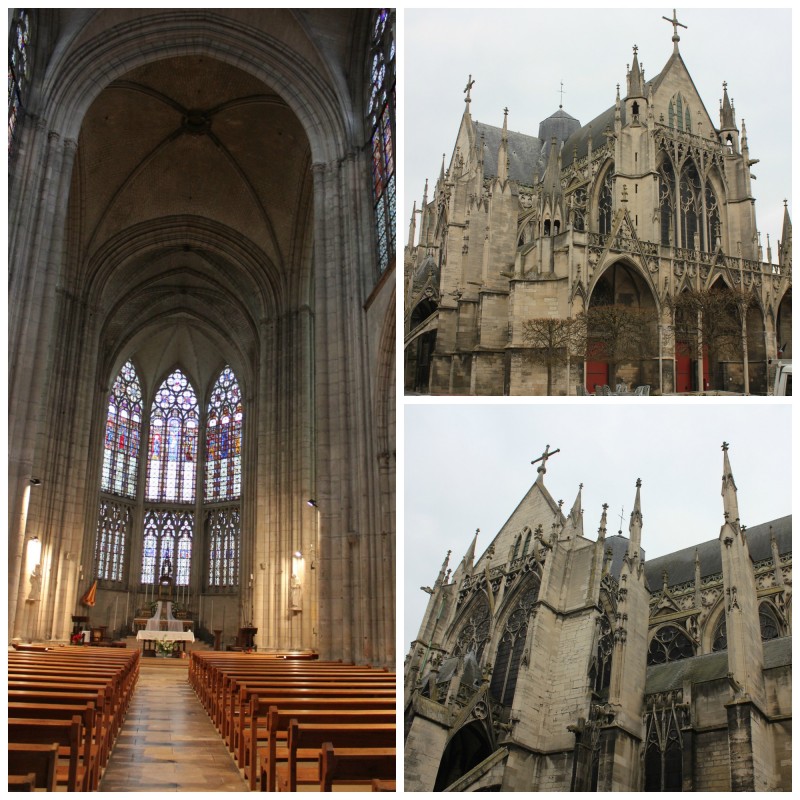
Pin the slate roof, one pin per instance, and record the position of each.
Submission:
(680, 564)
(524, 153)
(664, 677)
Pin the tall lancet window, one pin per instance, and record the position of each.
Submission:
(224, 440)
(223, 480)
(172, 457)
(380, 119)
(19, 69)
(123, 432)
(118, 474)
(512, 645)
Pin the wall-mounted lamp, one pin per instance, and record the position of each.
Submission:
(312, 503)
(298, 554)
(35, 482)
(34, 552)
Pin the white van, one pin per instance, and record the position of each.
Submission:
(783, 379)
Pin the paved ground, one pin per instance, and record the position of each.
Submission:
(168, 743)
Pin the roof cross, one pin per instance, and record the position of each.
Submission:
(543, 458)
(675, 25)
(621, 516)
(467, 89)
(561, 92)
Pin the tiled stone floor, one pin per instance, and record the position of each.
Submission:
(168, 743)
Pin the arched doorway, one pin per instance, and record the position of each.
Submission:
(464, 751)
(622, 330)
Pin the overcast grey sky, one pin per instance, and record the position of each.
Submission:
(518, 58)
(467, 466)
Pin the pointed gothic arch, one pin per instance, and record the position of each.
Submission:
(511, 631)
(622, 327)
(472, 628)
(470, 745)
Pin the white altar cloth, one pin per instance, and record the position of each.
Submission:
(163, 619)
(162, 636)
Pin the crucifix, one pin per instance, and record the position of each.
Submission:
(543, 458)
(675, 25)
(470, 84)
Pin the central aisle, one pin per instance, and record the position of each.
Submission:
(167, 742)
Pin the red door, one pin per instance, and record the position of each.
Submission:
(683, 369)
(596, 374)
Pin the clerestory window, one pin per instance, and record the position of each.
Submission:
(381, 125)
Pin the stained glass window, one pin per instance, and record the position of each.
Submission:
(172, 456)
(474, 631)
(606, 205)
(380, 114)
(669, 644)
(123, 431)
(19, 69)
(113, 524)
(224, 440)
(223, 532)
(605, 650)
(511, 646)
(167, 549)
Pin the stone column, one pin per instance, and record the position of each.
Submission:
(36, 257)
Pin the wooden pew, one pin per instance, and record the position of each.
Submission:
(221, 695)
(38, 692)
(263, 738)
(239, 719)
(273, 743)
(305, 741)
(90, 733)
(66, 734)
(354, 765)
(36, 759)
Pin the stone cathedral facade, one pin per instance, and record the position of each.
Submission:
(202, 323)
(649, 200)
(559, 661)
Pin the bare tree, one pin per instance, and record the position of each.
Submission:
(619, 334)
(553, 342)
(708, 322)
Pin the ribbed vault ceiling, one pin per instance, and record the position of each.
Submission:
(209, 154)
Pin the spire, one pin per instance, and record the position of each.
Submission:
(726, 121)
(442, 572)
(576, 513)
(635, 526)
(601, 531)
(729, 502)
(502, 152)
(635, 77)
(551, 181)
(412, 226)
(425, 195)
(469, 556)
(786, 233)
(441, 171)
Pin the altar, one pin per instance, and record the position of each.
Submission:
(149, 640)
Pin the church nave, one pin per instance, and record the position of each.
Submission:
(167, 742)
